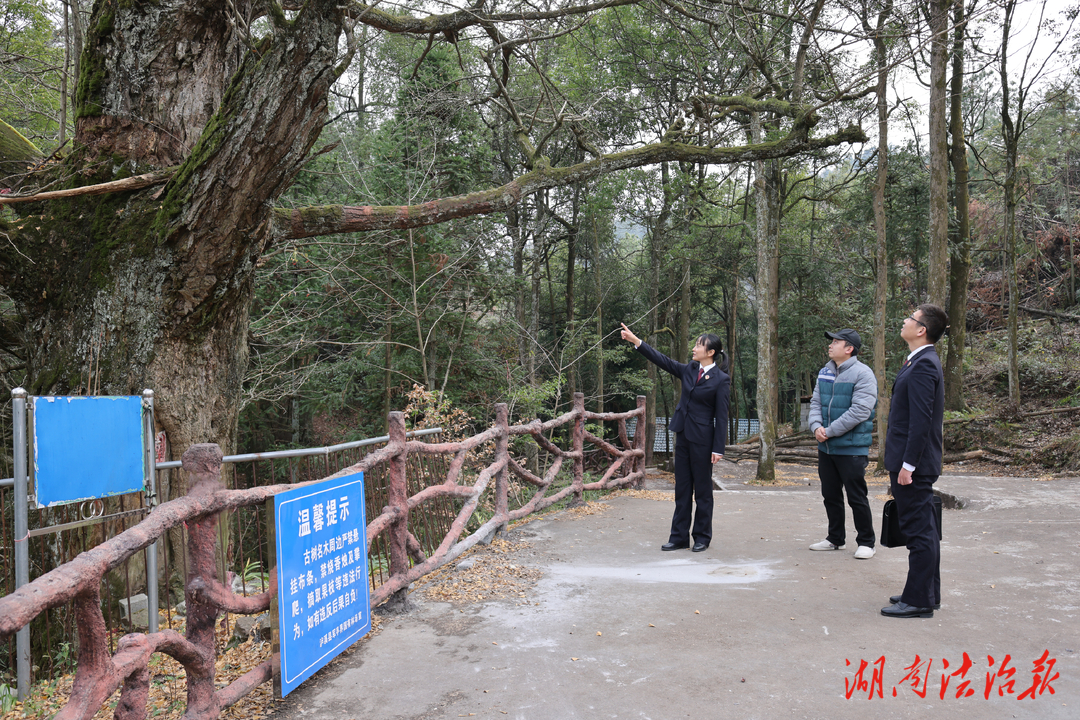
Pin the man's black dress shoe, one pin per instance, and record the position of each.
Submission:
(674, 546)
(903, 610)
(700, 547)
(896, 598)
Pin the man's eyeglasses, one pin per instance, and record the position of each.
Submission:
(912, 317)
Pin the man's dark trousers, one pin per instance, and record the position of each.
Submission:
(918, 523)
(693, 478)
(840, 474)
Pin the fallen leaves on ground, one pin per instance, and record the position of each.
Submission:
(644, 495)
(494, 575)
(589, 508)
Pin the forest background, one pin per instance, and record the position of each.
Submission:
(337, 210)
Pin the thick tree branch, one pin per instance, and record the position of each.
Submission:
(326, 220)
(450, 23)
(750, 104)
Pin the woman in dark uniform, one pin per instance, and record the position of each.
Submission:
(700, 427)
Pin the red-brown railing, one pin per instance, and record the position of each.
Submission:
(58, 534)
(99, 674)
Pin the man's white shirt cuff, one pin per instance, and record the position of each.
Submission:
(909, 467)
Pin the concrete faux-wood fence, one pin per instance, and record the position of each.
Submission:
(99, 674)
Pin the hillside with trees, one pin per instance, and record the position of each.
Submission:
(325, 204)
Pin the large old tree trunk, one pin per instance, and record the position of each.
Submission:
(151, 288)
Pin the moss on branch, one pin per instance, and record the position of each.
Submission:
(449, 23)
(329, 219)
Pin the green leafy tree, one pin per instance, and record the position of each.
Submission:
(31, 65)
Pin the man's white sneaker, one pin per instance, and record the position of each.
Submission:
(865, 552)
(826, 545)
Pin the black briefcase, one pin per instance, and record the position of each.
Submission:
(890, 524)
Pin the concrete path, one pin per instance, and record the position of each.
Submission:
(755, 627)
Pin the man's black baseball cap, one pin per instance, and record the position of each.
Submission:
(847, 335)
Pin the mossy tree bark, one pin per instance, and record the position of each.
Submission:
(151, 288)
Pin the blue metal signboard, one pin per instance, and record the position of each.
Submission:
(86, 448)
(323, 600)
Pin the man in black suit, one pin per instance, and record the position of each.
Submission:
(700, 427)
(913, 459)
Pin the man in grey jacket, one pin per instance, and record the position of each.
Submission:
(841, 418)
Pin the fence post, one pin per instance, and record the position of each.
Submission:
(22, 535)
(150, 472)
(502, 452)
(202, 464)
(639, 443)
(397, 493)
(579, 448)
